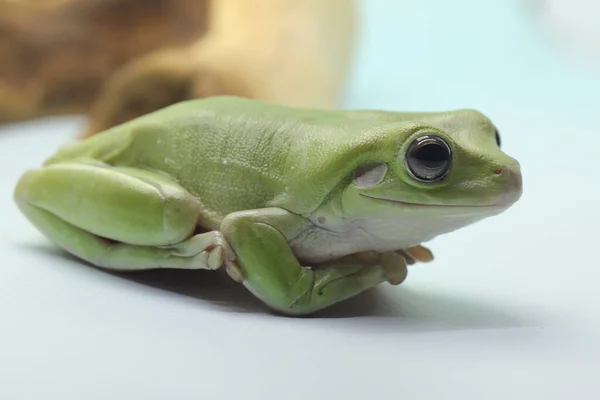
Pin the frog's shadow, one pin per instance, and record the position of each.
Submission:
(412, 308)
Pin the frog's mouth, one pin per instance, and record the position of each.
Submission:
(456, 206)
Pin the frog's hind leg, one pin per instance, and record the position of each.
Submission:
(119, 218)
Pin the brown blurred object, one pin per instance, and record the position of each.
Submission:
(56, 54)
(118, 59)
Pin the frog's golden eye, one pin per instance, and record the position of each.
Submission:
(428, 158)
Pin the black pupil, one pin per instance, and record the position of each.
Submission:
(429, 158)
(432, 155)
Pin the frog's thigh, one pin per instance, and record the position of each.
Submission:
(118, 218)
(122, 204)
(270, 270)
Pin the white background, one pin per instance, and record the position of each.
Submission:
(510, 309)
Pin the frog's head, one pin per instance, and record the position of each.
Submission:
(446, 170)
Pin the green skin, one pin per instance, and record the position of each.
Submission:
(305, 207)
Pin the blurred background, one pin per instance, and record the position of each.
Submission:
(510, 306)
(112, 60)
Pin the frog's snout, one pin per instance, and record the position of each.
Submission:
(513, 184)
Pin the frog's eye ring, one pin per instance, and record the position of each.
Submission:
(429, 158)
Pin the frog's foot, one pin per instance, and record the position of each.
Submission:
(416, 254)
(393, 263)
(207, 251)
(210, 250)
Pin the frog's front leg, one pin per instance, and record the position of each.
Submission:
(272, 273)
(119, 218)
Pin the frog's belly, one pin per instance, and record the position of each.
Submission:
(316, 245)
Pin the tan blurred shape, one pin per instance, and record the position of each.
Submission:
(118, 59)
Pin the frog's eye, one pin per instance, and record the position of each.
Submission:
(498, 140)
(429, 158)
(369, 174)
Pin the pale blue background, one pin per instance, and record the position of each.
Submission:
(510, 308)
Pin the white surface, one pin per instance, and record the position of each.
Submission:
(509, 310)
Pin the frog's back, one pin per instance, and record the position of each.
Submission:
(211, 124)
(232, 153)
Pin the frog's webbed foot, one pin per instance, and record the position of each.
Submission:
(207, 250)
(392, 262)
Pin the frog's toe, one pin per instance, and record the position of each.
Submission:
(416, 254)
(394, 266)
(233, 270)
(213, 258)
(407, 257)
(207, 250)
(216, 258)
